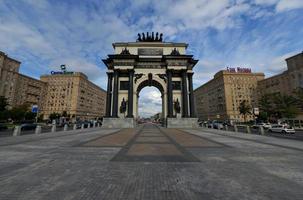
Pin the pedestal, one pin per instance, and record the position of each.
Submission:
(118, 123)
(182, 122)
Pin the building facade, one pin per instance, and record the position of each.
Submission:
(74, 94)
(29, 91)
(220, 98)
(287, 82)
(9, 69)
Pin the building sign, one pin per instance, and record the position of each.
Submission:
(238, 70)
(63, 71)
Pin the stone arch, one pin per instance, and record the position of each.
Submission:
(155, 82)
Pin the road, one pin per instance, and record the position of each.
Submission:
(150, 162)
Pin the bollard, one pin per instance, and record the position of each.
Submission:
(75, 127)
(65, 127)
(82, 126)
(262, 132)
(17, 131)
(94, 124)
(38, 130)
(98, 125)
(88, 125)
(211, 126)
(226, 127)
(236, 128)
(53, 128)
(248, 130)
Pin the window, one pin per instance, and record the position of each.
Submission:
(176, 85)
(124, 85)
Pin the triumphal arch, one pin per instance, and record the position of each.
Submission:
(150, 62)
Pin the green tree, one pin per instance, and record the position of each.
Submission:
(3, 103)
(18, 113)
(54, 115)
(4, 115)
(64, 114)
(298, 95)
(285, 106)
(29, 115)
(265, 106)
(244, 109)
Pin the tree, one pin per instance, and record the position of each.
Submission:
(64, 114)
(3, 103)
(285, 106)
(29, 115)
(265, 106)
(244, 109)
(4, 115)
(298, 95)
(18, 113)
(54, 115)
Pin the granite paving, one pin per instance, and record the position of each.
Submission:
(150, 162)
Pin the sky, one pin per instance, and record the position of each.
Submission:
(258, 34)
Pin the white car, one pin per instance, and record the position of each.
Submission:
(281, 129)
(264, 125)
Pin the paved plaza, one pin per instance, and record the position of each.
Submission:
(150, 162)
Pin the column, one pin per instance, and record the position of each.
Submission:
(184, 94)
(115, 94)
(169, 94)
(109, 94)
(191, 96)
(130, 94)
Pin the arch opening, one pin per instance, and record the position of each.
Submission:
(150, 104)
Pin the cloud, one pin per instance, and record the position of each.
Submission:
(285, 5)
(150, 102)
(45, 34)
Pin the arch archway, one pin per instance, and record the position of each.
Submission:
(157, 85)
(136, 65)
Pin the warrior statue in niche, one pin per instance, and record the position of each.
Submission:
(123, 106)
(177, 106)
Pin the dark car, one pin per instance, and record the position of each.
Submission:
(3, 127)
(85, 124)
(26, 127)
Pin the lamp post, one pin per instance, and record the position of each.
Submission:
(37, 114)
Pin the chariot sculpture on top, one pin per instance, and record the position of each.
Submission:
(150, 38)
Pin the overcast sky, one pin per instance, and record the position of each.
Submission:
(258, 34)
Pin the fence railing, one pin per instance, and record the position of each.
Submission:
(240, 128)
(40, 129)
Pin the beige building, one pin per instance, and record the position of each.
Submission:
(219, 98)
(286, 82)
(74, 93)
(9, 69)
(29, 91)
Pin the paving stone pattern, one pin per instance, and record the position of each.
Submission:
(195, 165)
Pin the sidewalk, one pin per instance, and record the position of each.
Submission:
(282, 142)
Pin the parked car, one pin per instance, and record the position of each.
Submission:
(264, 125)
(3, 127)
(217, 125)
(278, 128)
(28, 126)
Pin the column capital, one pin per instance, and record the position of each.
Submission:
(190, 74)
(131, 71)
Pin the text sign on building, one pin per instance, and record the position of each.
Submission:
(150, 52)
(238, 70)
(63, 71)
